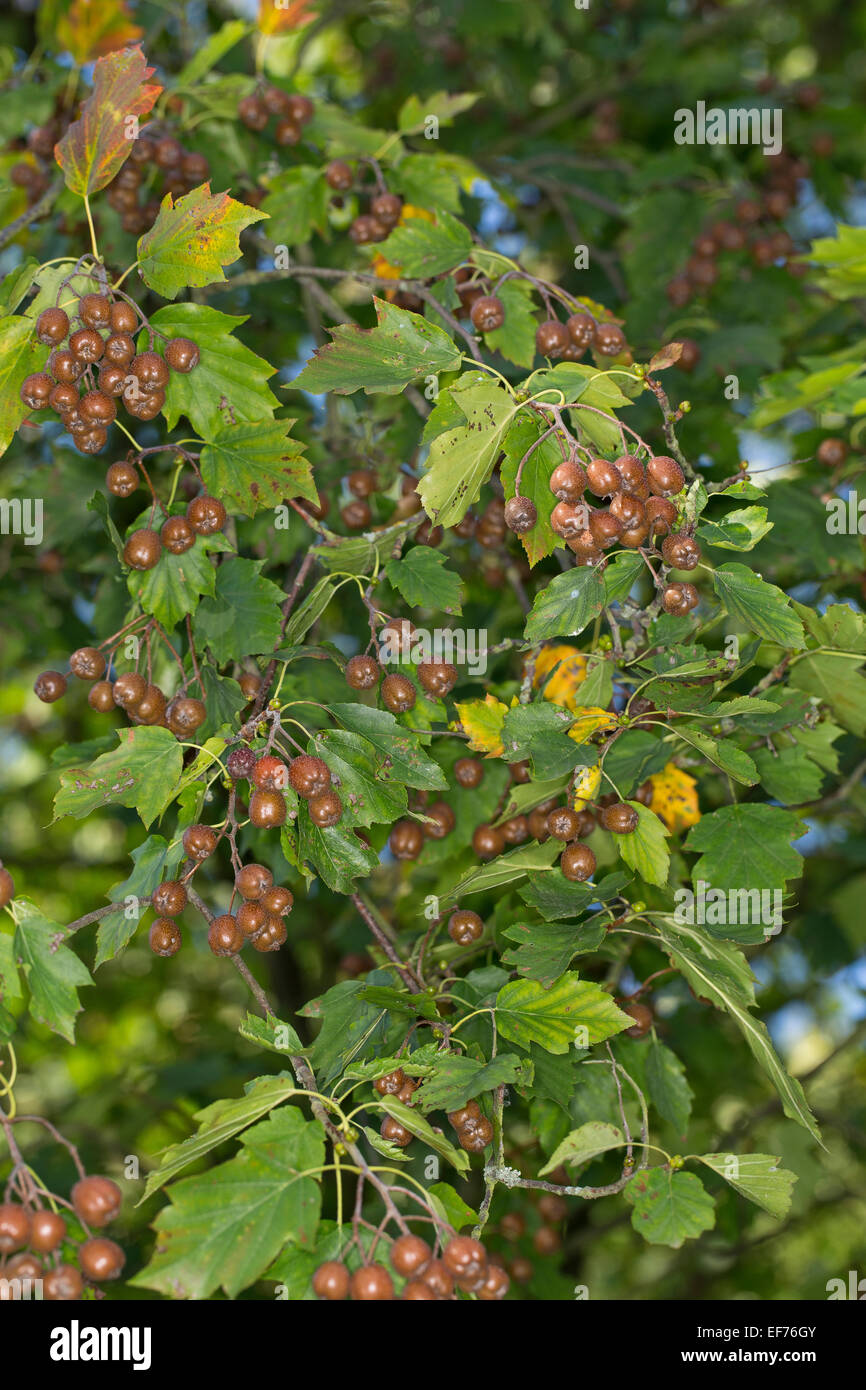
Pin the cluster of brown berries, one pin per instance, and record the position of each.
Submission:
(753, 227)
(269, 777)
(32, 1237)
(464, 1264)
(95, 364)
(397, 1083)
(142, 701)
(292, 111)
(383, 208)
(204, 516)
(157, 165)
(473, 1129)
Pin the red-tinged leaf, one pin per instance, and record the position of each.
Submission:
(192, 239)
(98, 143)
(281, 16)
(666, 357)
(90, 28)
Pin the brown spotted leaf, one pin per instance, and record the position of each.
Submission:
(255, 465)
(666, 357)
(93, 27)
(192, 239)
(98, 143)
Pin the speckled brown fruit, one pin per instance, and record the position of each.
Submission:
(416, 1291)
(487, 313)
(603, 477)
(515, 830)
(128, 689)
(356, 514)
(442, 818)
(681, 552)
(206, 515)
(464, 1257)
(150, 709)
(101, 1259)
(47, 1229)
(52, 326)
(390, 1084)
(97, 1200)
(398, 693)
(87, 345)
(496, 1285)
(309, 776)
(546, 1241)
(63, 1284)
(577, 862)
(620, 818)
(199, 841)
(253, 881)
(371, 1283)
(568, 481)
(665, 475)
(143, 549)
(339, 176)
(488, 841)
(437, 677)
(122, 479)
(469, 772)
(331, 1281)
(609, 340)
(551, 338)
(250, 684)
(395, 1133)
(267, 810)
(185, 715)
(182, 354)
(277, 900)
(520, 515)
(326, 809)
(270, 774)
(272, 935)
(406, 840)
(94, 310)
(14, 1227)
(362, 672)
(87, 663)
(177, 535)
(562, 823)
(169, 898)
(465, 926)
(410, 1256)
(164, 937)
(439, 1278)
(476, 1138)
(49, 686)
(661, 514)
(225, 937)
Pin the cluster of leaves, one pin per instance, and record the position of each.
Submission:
(731, 732)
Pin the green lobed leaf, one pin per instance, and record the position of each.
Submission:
(584, 1144)
(527, 1013)
(192, 239)
(137, 773)
(567, 605)
(53, 972)
(669, 1207)
(254, 465)
(758, 1177)
(402, 347)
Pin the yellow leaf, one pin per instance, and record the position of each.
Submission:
(570, 673)
(591, 720)
(586, 786)
(384, 268)
(410, 210)
(675, 798)
(482, 720)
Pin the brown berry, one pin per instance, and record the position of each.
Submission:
(609, 340)
(680, 552)
(177, 535)
(581, 330)
(406, 840)
(488, 841)
(36, 389)
(121, 479)
(47, 1229)
(63, 1284)
(49, 686)
(309, 776)
(164, 937)
(128, 689)
(620, 818)
(469, 772)
(253, 881)
(52, 326)
(562, 823)
(661, 515)
(267, 810)
(362, 672)
(665, 475)
(439, 1279)
(464, 1257)
(603, 477)
(398, 693)
(437, 677)
(551, 338)
(87, 663)
(465, 926)
(520, 515)
(182, 354)
(577, 862)
(206, 515)
(326, 809)
(96, 1200)
(277, 900)
(94, 310)
(832, 452)
(14, 1227)
(487, 313)
(331, 1281)
(143, 549)
(371, 1283)
(643, 1019)
(225, 937)
(568, 481)
(410, 1256)
(87, 345)
(101, 697)
(101, 1259)
(339, 176)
